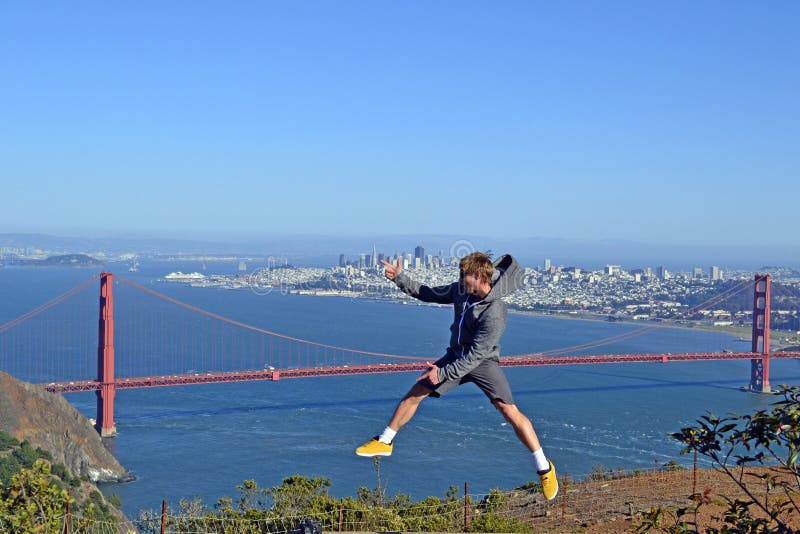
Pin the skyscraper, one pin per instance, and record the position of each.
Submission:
(419, 252)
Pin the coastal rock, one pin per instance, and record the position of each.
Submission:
(48, 421)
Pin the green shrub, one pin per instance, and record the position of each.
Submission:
(9, 466)
(278, 509)
(60, 470)
(30, 502)
(491, 522)
(7, 441)
(41, 453)
(734, 445)
(25, 454)
(115, 501)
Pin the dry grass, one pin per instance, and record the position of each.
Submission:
(617, 503)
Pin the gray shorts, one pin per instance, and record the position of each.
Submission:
(487, 376)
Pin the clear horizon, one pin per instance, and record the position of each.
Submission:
(664, 124)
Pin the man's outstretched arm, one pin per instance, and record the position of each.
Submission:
(439, 294)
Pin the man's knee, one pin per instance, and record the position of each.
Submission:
(507, 410)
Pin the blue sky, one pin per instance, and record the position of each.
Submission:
(659, 122)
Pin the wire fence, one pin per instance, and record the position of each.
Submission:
(600, 497)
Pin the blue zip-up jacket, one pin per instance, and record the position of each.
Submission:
(477, 325)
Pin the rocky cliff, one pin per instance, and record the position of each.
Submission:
(47, 420)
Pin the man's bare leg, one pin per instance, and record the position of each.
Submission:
(382, 445)
(408, 405)
(522, 426)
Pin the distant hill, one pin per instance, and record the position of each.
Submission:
(62, 260)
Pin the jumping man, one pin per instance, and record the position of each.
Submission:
(473, 354)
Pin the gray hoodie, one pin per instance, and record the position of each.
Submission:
(477, 324)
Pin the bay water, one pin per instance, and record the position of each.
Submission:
(203, 440)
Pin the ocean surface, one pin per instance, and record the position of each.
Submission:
(204, 440)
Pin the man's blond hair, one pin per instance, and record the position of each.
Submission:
(478, 264)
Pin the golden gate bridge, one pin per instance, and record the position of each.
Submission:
(159, 341)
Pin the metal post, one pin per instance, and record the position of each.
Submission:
(105, 359)
(164, 516)
(759, 367)
(466, 506)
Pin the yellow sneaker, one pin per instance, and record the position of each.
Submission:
(549, 482)
(375, 448)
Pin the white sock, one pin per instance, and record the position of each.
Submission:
(540, 460)
(387, 435)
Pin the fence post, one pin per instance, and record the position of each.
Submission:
(341, 514)
(564, 499)
(68, 518)
(164, 516)
(694, 478)
(466, 506)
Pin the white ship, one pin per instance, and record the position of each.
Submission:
(179, 276)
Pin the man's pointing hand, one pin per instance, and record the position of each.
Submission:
(392, 270)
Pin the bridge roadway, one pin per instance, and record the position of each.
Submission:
(529, 360)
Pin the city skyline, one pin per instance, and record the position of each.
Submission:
(670, 124)
(662, 267)
(419, 260)
(627, 294)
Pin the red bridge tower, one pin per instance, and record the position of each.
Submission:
(105, 359)
(759, 368)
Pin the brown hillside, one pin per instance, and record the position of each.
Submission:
(47, 420)
(617, 505)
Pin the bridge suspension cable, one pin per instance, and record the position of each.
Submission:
(261, 330)
(712, 301)
(47, 305)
